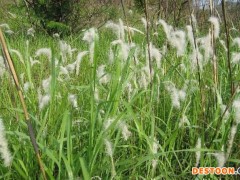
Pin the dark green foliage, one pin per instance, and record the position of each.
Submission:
(139, 4)
(53, 15)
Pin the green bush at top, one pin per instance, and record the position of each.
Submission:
(53, 15)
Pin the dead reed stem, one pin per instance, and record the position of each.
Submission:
(7, 57)
(148, 39)
(198, 66)
(228, 47)
(213, 44)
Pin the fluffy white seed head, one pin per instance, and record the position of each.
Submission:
(198, 153)
(144, 21)
(196, 60)
(109, 148)
(184, 120)
(107, 123)
(233, 132)
(167, 28)
(178, 40)
(32, 61)
(4, 151)
(226, 115)
(122, 33)
(235, 57)
(46, 84)
(43, 100)
(19, 55)
(27, 86)
(114, 27)
(44, 51)
(125, 132)
(111, 56)
(2, 66)
(103, 77)
(79, 60)
(236, 41)
(236, 107)
(221, 158)
(155, 146)
(190, 35)
(90, 35)
(96, 95)
(216, 25)
(9, 32)
(31, 32)
(177, 95)
(155, 54)
(5, 26)
(72, 98)
(223, 44)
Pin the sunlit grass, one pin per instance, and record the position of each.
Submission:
(120, 127)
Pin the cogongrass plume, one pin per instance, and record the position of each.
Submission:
(4, 151)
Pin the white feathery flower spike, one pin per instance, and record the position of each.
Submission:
(2, 66)
(79, 60)
(167, 28)
(144, 21)
(223, 44)
(235, 57)
(108, 123)
(177, 96)
(155, 53)
(115, 28)
(216, 25)
(9, 32)
(236, 107)
(46, 84)
(44, 51)
(19, 55)
(4, 26)
(178, 40)
(43, 100)
(72, 98)
(205, 44)
(236, 41)
(184, 120)
(198, 153)
(221, 158)
(30, 32)
(154, 149)
(4, 151)
(26, 86)
(122, 32)
(109, 148)
(96, 95)
(32, 61)
(233, 132)
(90, 36)
(125, 132)
(111, 56)
(103, 77)
(190, 35)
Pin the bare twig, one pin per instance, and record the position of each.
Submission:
(213, 44)
(20, 94)
(198, 66)
(148, 38)
(228, 47)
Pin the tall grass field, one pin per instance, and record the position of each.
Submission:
(111, 103)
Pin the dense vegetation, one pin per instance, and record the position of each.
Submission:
(121, 101)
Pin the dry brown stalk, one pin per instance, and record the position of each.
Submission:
(228, 47)
(213, 44)
(7, 57)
